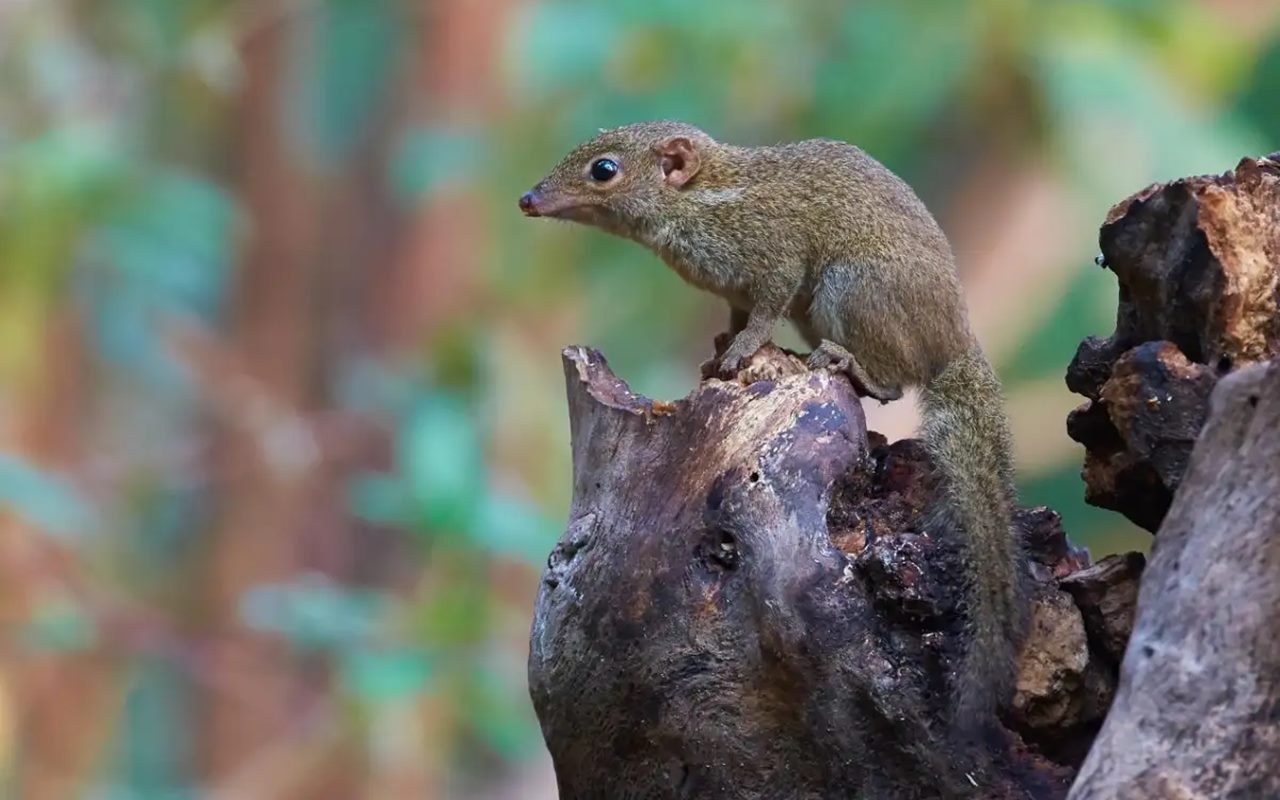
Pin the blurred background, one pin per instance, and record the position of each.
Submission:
(282, 433)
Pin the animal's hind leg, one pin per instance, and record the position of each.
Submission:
(826, 320)
(829, 355)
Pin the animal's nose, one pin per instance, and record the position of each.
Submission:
(527, 203)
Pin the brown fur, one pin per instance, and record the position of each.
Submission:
(822, 234)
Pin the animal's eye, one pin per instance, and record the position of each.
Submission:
(603, 169)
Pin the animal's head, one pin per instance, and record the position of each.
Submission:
(621, 176)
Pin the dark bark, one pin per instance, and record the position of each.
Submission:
(1197, 714)
(1199, 260)
(1196, 261)
(743, 606)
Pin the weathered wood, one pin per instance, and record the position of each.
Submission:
(1198, 263)
(1198, 710)
(1199, 267)
(743, 605)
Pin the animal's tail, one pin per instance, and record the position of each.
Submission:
(967, 435)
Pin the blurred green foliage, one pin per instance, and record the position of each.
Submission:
(121, 205)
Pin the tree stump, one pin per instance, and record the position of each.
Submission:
(743, 605)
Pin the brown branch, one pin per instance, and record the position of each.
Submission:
(254, 539)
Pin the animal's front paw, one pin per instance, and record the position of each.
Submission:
(729, 364)
(745, 345)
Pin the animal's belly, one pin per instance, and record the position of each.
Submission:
(717, 281)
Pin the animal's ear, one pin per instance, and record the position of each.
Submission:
(679, 159)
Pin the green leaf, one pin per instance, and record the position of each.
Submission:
(380, 499)
(459, 614)
(497, 710)
(429, 158)
(154, 741)
(1106, 99)
(1259, 100)
(511, 527)
(1085, 308)
(59, 626)
(386, 675)
(441, 460)
(893, 106)
(165, 251)
(567, 41)
(44, 499)
(344, 81)
(314, 612)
